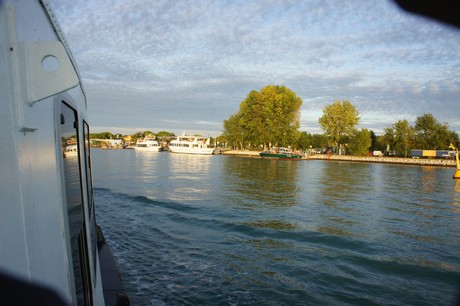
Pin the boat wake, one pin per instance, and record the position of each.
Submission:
(194, 253)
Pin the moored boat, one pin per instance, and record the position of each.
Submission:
(52, 251)
(71, 151)
(149, 143)
(280, 153)
(191, 145)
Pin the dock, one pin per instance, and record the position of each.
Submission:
(438, 162)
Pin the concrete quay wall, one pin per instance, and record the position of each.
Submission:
(241, 153)
(387, 160)
(364, 159)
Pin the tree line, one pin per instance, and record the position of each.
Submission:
(133, 137)
(271, 117)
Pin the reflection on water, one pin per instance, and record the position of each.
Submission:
(269, 243)
(261, 181)
(344, 182)
(272, 224)
(344, 188)
(191, 174)
(456, 199)
(178, 177)
(189, 166)
(428, 180)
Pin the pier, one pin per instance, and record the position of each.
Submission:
(365, 159)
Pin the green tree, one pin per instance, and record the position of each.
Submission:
(251, 118)
(305, 140)
(339, 119)
(102, 135)
(139, 135)
(360, 142)
(314, 140)
(233, 131)
(430, 134)
(320, 141)
(268, 117)
(399, 137)
(164, 133)
(374, 141)
(454, 139)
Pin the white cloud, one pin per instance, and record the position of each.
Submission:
(169, 64)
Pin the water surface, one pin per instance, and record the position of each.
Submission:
(223, 230)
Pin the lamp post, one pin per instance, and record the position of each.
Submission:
(405, 146)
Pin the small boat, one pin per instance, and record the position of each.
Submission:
(191, 145)
(149, 143)
(280, 153)
(71, 151)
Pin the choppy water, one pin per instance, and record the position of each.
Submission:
(222, 230)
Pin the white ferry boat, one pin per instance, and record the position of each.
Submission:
(51, 250)
(71, 151)
(191, 145)
(149, 143)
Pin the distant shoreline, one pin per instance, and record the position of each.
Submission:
(362, 159)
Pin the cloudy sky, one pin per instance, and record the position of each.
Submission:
(185, 66)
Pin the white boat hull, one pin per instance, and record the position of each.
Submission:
(184, 150)
(149, 143)
(148, 149)
(191, 145)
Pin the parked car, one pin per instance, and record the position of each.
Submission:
(390, 153)
(377, 153)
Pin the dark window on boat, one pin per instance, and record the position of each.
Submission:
(90, 200)
(74, 202)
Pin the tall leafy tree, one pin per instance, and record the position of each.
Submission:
(399, 137)
(360, 142)
(431, 134)
(252, 118)
(304, 140)
(233, 131)
(339, 119)
(454, 138)
(374, 140)
(268, 117)
(314, 140)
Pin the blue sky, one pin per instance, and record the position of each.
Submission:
(185, 66)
